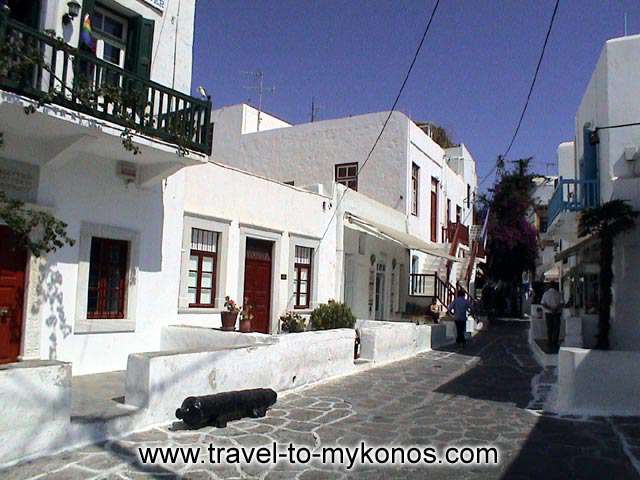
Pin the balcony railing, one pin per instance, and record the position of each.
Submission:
(573, 195)
(68, 77)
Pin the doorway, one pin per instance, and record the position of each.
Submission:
(13, 264)
(379, 292)
(257, 282)
(26, 12)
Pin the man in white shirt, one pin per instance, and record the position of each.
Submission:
(552, 305)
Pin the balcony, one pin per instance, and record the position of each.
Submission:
(573, 196)
(65, 76)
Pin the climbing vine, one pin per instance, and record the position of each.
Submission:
(39, 231)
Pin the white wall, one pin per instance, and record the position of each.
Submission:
(87, 191)
(307, 153)
(253, 206)
(566, 154)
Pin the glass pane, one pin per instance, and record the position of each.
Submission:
(193, 262)
(303, 274)
(207, 280)
(303, 287)
(92, 301)
(303, 299)
(205, 295)
(96, 21)
(192, 295)
(112, 27)
(207, 264)
(113, 301)
(193, 279)
(111, 53)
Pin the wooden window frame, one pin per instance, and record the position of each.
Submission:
(415, 188)
(348, 179)
(100, 312)
(433, 217)
(201, 254)
(297, 275)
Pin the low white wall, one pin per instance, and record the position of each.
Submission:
(161, 381)
(598, 382)
(36, 408)
(431, 336)
(187, 337)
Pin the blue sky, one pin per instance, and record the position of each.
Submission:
(472, 76)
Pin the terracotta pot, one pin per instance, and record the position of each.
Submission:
(245, 325)
(229, 321)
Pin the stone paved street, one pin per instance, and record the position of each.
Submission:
(482, 395)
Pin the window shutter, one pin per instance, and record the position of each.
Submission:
(140, 46)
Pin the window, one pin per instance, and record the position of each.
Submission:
(347, 175)
(202, 268)
(458, 214)
(302, 276)
(111, 31)
(107, 278)
(468, 196)
(434, 209)
(415, 176)
(290, 182)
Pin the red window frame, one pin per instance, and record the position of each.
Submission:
(434, 209)
(347, 175)
(298, 268)
(415, 178)
(201, 256)
(103, 266)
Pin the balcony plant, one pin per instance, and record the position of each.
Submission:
(229, 316)
(292, 322)
(605, 223)
(332, 315)
(246, 317)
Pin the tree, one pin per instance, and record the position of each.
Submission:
(605, 223)
(512, 242)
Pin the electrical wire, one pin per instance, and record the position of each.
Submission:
(393, 107)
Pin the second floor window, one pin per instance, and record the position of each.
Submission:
(111, 31)
(202, 268)
(415, 177)
(347, 175)
(302, 276)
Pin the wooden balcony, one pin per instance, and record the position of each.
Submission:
(46, 69)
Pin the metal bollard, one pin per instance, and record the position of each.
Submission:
(220, 408)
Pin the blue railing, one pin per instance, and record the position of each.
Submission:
(573, 195)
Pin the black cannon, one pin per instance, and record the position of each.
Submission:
(217, 410)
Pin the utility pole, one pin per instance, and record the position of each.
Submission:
(259, 87)
(314, 109)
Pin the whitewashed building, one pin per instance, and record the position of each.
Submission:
(602, 163)
(433, 189)
(106, 296)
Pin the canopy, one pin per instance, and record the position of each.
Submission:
(387, 233)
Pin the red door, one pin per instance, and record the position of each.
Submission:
(257, 282)
(13, 263)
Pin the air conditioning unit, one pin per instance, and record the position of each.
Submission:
(630, 153)
(127, 171)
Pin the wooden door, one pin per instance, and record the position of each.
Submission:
(257, 282)
(434, 209)
(13, 263)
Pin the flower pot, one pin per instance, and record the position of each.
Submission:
(229, 321)
(245, 325)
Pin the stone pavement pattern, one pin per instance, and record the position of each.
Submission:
(479, 396)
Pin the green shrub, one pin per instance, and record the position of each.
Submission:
(332, 315)
(291, 322)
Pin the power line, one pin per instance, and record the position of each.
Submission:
(535, 77)
(393, 107)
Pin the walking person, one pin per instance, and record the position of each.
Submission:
(552, 305)
(459, 308)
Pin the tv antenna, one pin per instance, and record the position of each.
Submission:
(261, 89)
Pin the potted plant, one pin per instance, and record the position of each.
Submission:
(231, 315)
(292, 322)
(246, 315)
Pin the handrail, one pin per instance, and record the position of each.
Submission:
(151, 108)
(573, 195)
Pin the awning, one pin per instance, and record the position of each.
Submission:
(387, 233)
(581, 245)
